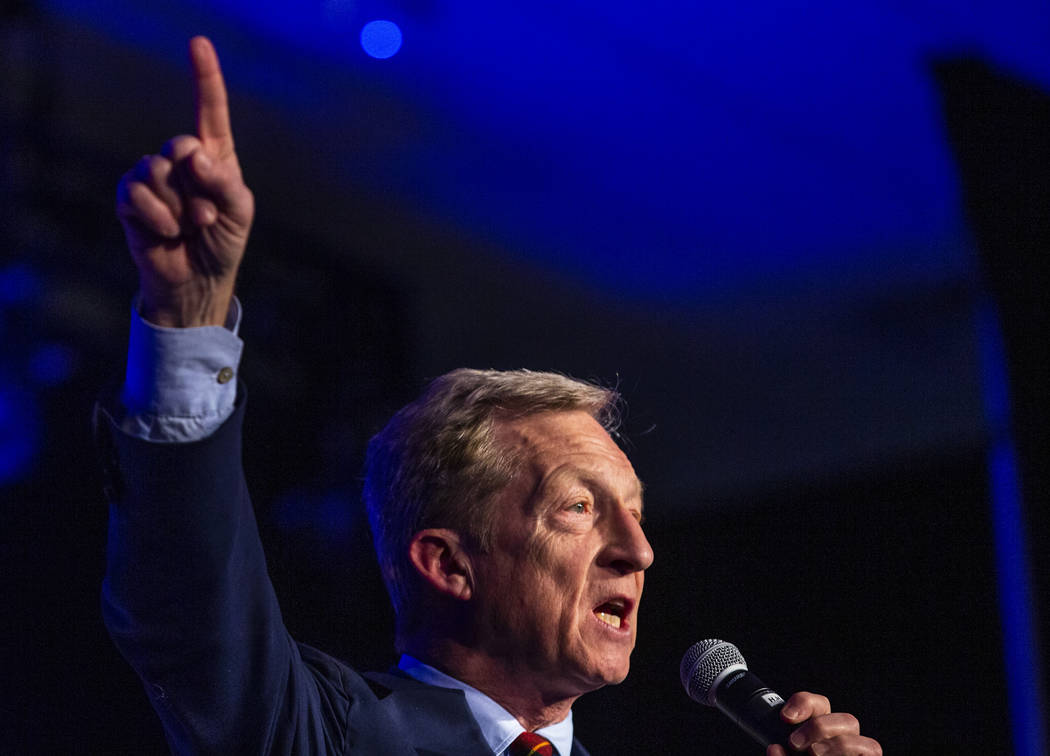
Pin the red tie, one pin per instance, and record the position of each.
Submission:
(531, 744)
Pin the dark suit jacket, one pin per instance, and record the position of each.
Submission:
(188, 602)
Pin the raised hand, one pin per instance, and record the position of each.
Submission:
(186, 212)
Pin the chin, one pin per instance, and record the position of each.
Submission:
(619, 675)
(611, 672)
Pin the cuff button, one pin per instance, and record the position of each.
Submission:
(225, 375)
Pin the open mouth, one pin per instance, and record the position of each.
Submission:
(612, 612)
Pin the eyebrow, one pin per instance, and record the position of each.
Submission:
(584, 476)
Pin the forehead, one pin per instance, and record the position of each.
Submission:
(570, 443)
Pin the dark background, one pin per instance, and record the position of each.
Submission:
(812, 405)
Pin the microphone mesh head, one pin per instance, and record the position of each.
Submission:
(703, 663)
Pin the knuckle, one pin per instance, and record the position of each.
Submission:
(138, 193)
(179, 147)
(159, 167)
(820, 728)
(836, 744)
(851, 744)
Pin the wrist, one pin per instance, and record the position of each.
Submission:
(191, 306)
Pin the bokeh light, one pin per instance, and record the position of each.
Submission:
(381, 39)
(20, 431)
(51, 364)
(19, 283)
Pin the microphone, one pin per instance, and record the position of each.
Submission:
(714, 673)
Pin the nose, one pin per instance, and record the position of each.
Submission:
(626, 549)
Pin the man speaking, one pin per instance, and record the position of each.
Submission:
(506, 520)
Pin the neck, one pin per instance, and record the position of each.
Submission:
(503, 682)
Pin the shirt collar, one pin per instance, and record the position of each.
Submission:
(498, 726)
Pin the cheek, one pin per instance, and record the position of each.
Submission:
(555, 579)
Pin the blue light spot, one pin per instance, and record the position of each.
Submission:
(327, 515)
(51, 364)
(19, 284)
(1020, 643)
(19, 432)
(381, 39)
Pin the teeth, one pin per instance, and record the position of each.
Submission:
(608, 619)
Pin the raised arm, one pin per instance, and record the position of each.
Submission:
(187, 212)
(186, 597)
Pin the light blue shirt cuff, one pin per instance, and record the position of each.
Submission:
(181, 383)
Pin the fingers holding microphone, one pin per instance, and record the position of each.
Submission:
(715, 673)
(821, 731)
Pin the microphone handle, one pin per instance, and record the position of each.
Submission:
(754, 707)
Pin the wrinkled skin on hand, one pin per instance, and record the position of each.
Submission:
(822, 732)
(187, 212)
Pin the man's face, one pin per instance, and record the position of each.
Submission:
(558, 594)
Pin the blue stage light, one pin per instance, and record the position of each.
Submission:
(19, 432)
(1021, 651)
(381, 39)
(19, 284)
(51, 364)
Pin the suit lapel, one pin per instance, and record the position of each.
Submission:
(577, 749)
(434, 720)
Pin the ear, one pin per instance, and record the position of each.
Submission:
(439, 557)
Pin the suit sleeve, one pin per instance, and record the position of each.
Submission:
(188, 601)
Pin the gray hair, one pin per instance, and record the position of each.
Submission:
(436, 463)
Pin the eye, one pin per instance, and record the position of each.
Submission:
(578, 507)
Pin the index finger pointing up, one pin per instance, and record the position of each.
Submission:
(209, 96)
